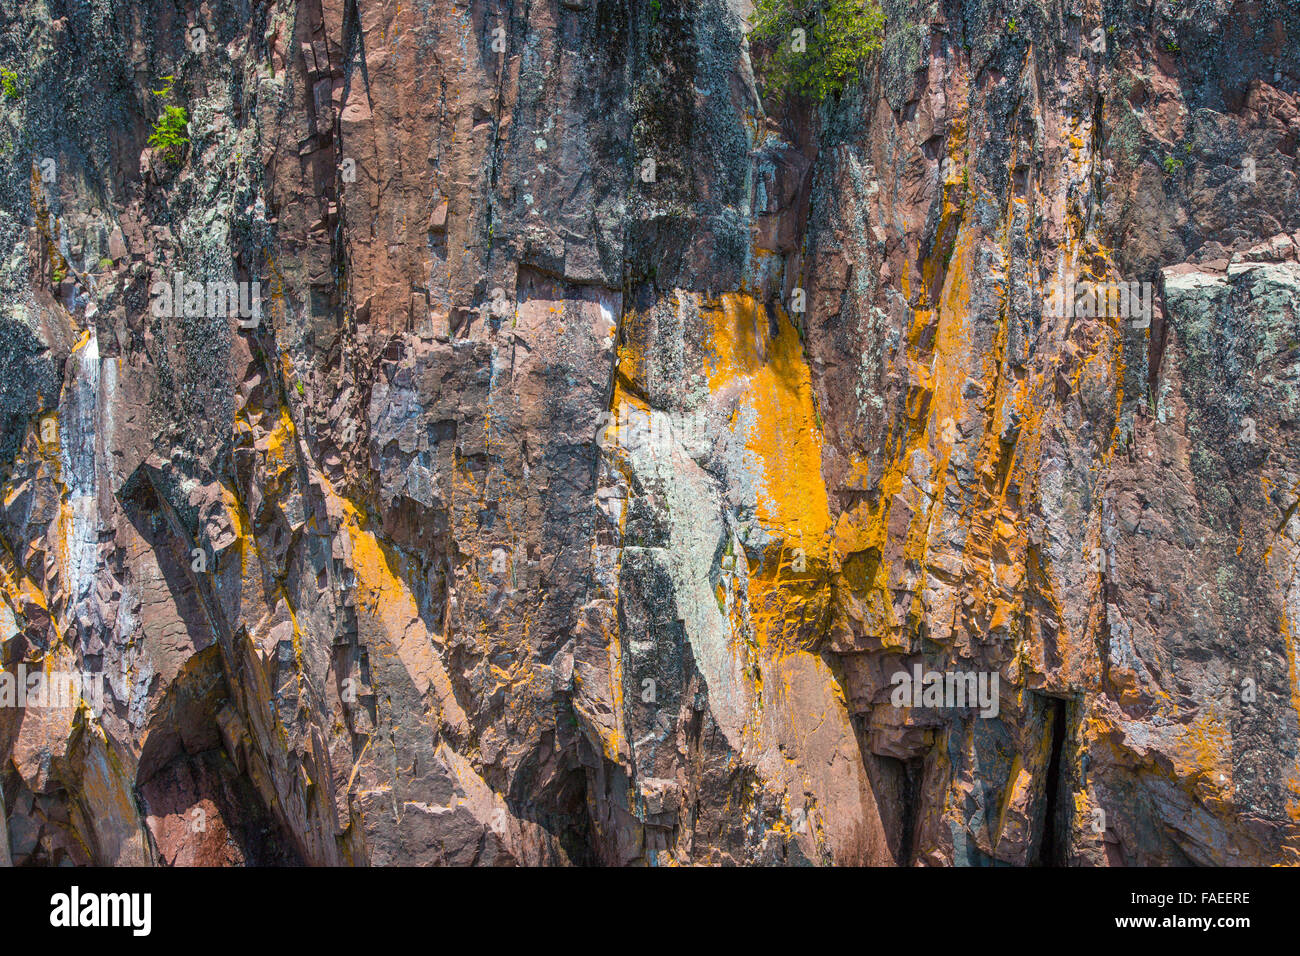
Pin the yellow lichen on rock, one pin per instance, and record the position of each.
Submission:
(777, 417)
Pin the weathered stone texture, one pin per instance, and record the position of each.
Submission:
(613, 434)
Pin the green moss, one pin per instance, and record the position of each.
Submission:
(818, 45)
(9, 84)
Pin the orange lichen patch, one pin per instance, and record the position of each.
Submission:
(16, 587)
(783, 436)
(626, 408)
(614, 743)
(380, 585)
(1293, 800)
(950, 221)
(1203, 752)
(737, 339)
(603, 703)
(633, 355)
(950, 364)
(272, 433)
(894, 524)
(280, 442)
(1015, 793)
(240, 520)
(47, 434)
(287, 370)
(1288, 643)
(777, 416)
(382, 595)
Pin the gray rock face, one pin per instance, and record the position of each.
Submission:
(610, 437)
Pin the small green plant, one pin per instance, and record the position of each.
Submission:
(168, 136)
(105, 264)
(1171, 46)
(1011, 25)
(654, 11)
(818, 45)
(9, 84)
(1172, 165)
(300, 388)
(167, 81)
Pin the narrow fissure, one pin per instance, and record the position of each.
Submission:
(911, 794)
(1051, 849)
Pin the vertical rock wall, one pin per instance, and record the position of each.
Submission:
(613, 433)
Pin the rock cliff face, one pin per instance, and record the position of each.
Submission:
(613, 431)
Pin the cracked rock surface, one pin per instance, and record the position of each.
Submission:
(614, 431)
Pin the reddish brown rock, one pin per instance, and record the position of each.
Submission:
(555, 512)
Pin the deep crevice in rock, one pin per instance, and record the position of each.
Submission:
(1052, 846)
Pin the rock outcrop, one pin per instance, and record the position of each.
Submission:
(608, 432)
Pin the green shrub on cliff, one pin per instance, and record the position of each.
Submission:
(168, 136)
(817, 46)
